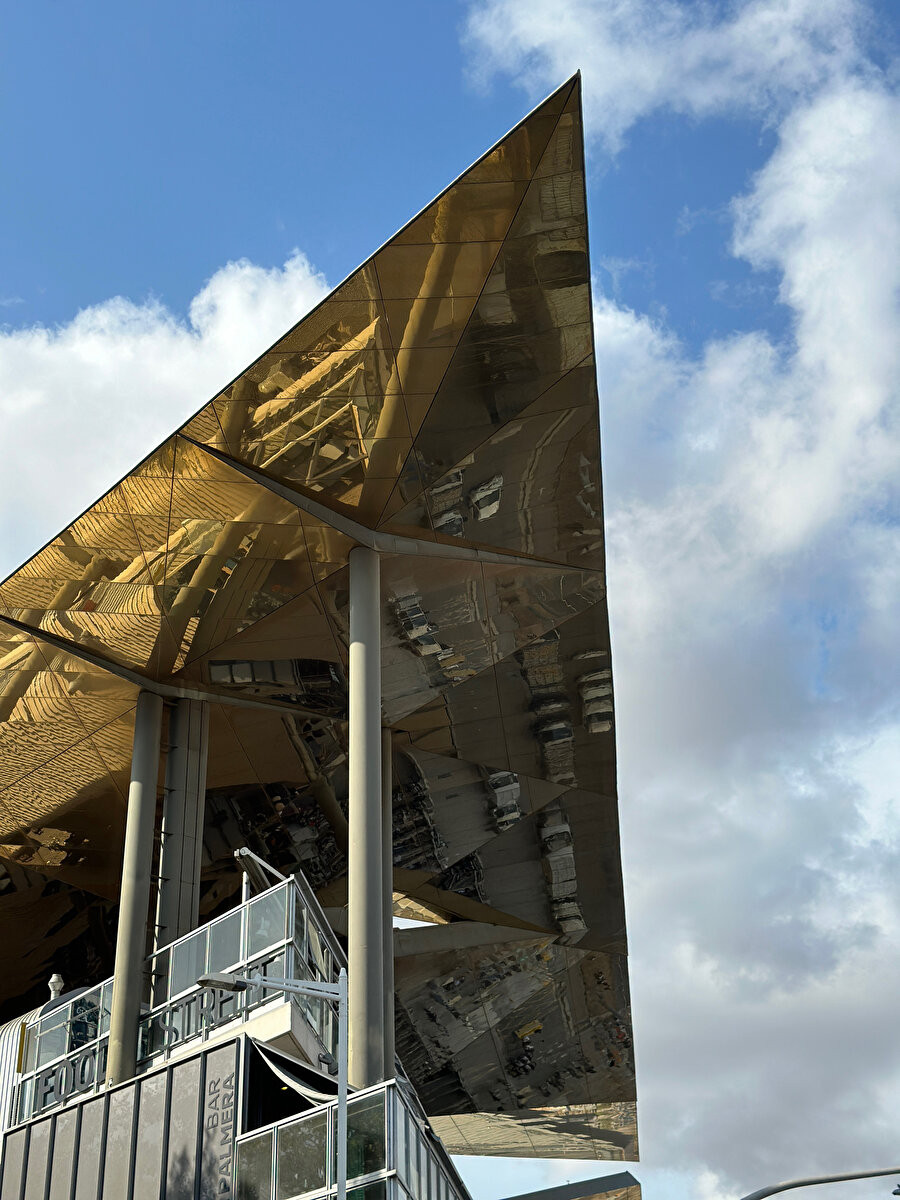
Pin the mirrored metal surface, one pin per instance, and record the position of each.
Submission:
(445, 392)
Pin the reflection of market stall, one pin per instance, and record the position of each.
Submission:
(436, 416)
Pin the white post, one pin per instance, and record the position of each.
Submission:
(365, 951)
(134, 897)
(387, 931)
(342, 1087)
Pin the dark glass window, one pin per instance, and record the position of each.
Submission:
(365, 1136)
(302, 1155)
(254, 1168)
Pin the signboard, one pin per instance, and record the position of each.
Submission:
(171, 1131)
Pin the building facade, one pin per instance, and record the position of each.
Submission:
(350, 618)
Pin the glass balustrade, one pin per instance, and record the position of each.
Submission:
(391, 1154)
(279, 933)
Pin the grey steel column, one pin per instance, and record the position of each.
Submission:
(387, 925)
(134, 898)
(366, 904)
(181, 833)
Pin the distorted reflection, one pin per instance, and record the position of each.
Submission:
(447, 392)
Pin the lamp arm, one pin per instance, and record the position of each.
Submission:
(813, 1181)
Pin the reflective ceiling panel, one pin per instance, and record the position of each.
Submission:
(444, 393)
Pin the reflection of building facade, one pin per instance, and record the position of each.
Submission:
(398, 502)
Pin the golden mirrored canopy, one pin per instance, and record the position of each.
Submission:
(440, 404)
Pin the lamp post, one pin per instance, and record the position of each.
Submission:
(227, 982)
(814, 1180)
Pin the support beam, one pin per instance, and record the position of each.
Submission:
(366, 904)
(375, 539)
(181, 833)
(168, 691)
(134, 898)
(387, 892)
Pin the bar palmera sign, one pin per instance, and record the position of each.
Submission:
(179, 1022)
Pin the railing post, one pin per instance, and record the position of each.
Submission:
(365, 940)
(134, 897)
(387, 864)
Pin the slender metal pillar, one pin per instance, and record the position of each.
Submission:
(181, 833)
(387, 926)
(134, 898)
(366, 904)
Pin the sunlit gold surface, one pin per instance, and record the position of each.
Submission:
(445, 392)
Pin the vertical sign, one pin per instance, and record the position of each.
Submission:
(219, 1123)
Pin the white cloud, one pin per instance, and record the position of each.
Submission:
(134, 371)
(754, 540)
(639, 55)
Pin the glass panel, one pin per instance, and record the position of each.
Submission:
(254, 1168)
(300, 920)
(225, 942)
(398, 1156)
(38, 1155)
(13, 1159)
(301, 1157)
(53, 1035)
(365, 1136)
(90, 1146)
(118, 1144)
(188, 962)
(85, 1023)
(183, 1116)
(63, 1155)
(159, 978)
(148, 1152)
(30, 1051)
(415, 1158)
(319, 957)
(26, 1092)
(266, 918)
(370, 1191)
(105, 1006)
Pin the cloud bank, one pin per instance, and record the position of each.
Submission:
(82, 402)
(753, 505)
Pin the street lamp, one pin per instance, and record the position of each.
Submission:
(227, 982)
(812, 1182)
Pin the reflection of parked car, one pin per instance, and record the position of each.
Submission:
(451, 522)
(598, 716)
(545, 707)
(555, 731)
(485, 499)
(504, 789)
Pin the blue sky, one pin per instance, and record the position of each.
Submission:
(181, 182)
